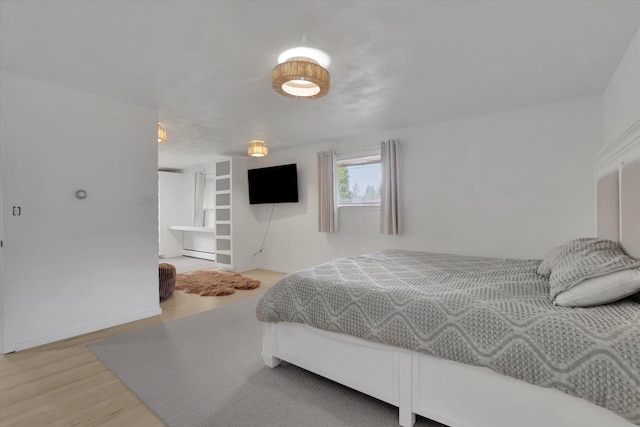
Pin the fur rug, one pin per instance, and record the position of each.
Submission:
(213, 283)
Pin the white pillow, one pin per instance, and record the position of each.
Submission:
(601, 289)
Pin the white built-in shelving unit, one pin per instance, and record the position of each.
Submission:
(224, 257)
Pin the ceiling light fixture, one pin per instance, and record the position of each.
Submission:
(301, 73)
(162, 134)
(257, 149)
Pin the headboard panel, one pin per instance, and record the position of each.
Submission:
(630, 208)
(618, 191)
(608, 208)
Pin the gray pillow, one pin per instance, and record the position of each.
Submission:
(559, 252)
(588, 259)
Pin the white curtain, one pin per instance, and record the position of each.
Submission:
(390, 187)
(198, 200)
(209, 200)
(326, 192)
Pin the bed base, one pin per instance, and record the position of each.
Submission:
(448, 392)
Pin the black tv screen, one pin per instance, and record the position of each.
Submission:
(276, 184)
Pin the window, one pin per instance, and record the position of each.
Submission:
(359, 181)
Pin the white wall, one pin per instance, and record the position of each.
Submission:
(621, 100)
(73, 266)
(173, 206)
(509, 184)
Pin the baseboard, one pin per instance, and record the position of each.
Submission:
(198, 254)
(23, 345)
(170, 255)
(276, 269)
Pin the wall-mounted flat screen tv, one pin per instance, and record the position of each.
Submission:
(276, 184)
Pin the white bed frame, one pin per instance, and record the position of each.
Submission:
(454, 394)
(448, 392)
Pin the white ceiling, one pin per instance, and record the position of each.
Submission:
(206, 65)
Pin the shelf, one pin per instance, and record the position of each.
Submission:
(192, 228)
(223, 222)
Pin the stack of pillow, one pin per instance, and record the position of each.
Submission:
(588, 271)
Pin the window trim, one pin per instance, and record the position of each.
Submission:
(359, 161)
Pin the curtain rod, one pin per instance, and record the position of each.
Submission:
(356, 149)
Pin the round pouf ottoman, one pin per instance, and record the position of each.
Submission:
(167, 280)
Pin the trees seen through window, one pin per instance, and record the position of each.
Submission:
(359, 181)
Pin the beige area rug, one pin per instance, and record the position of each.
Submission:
(214, 283)
(206, 371)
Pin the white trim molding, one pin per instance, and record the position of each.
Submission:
(620, 147)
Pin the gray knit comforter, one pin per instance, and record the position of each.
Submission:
(488, 312)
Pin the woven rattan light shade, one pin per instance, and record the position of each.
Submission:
(162, 134)
(257, 149)
(300, 78)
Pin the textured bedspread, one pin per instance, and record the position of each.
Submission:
(479, 311)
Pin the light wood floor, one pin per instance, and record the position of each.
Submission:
(64, 384)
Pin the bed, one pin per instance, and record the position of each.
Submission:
(472, 341)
